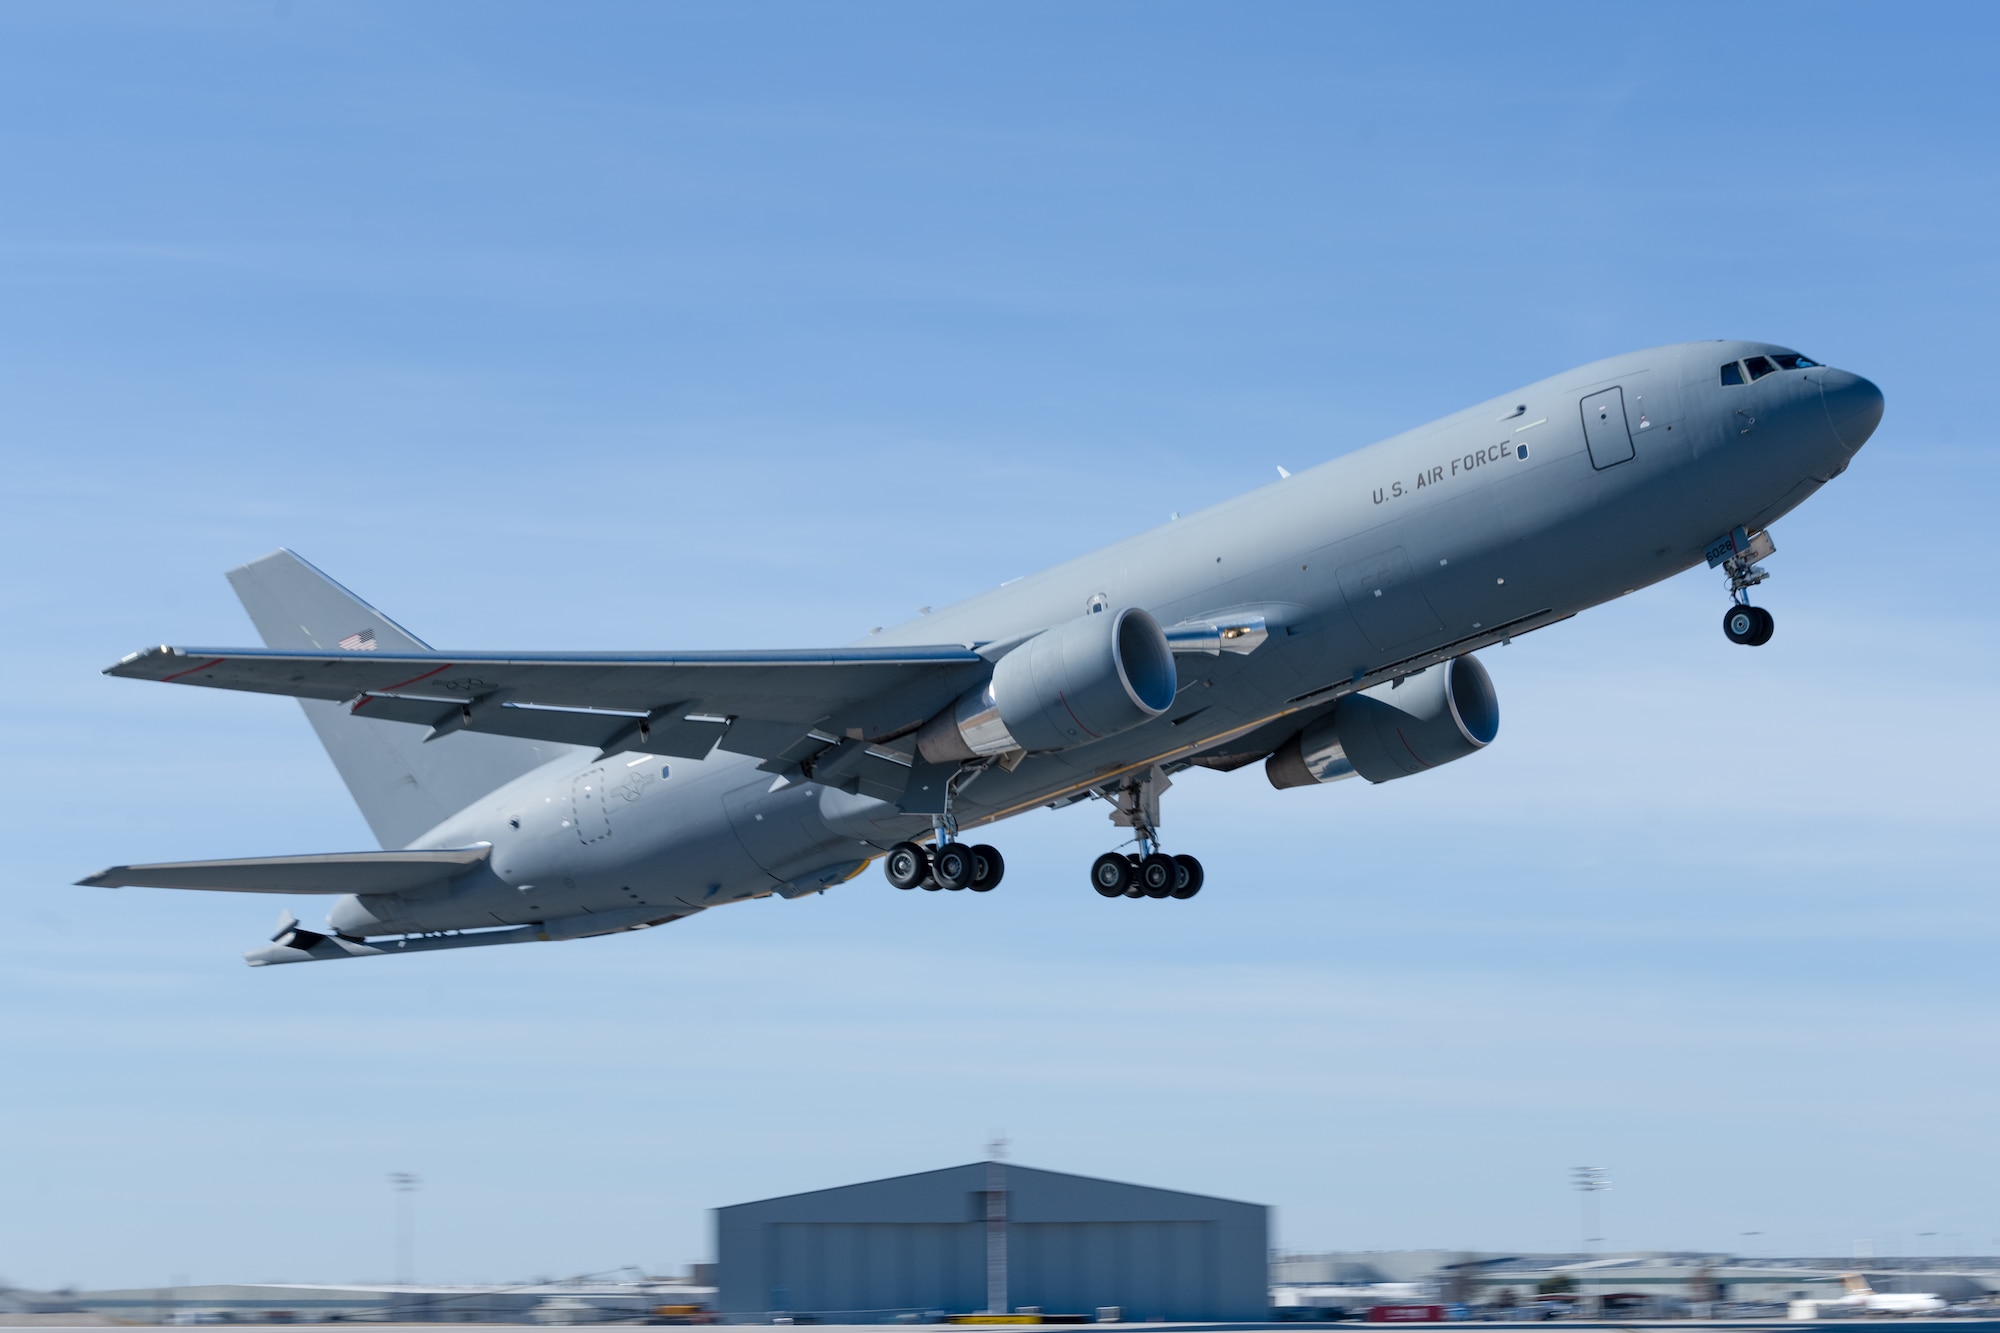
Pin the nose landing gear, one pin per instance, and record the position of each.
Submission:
(1737, 555)
(1150, 873)
(1748, 624)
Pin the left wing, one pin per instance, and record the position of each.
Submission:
(787, 706)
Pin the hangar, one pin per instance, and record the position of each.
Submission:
(994, 1237)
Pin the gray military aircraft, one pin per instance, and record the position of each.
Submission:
(1323, 625)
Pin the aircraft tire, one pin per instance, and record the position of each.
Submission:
(1111, 875)
(989, 866)
(1766, 627)
(1158, 875)
(953, 866)
(906, 865)
(1740, 624)
(1188, 883)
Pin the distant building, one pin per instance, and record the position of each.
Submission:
(1067, 1245)
(580, 1301)
(1660, 1282)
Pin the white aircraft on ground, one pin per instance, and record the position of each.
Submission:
(1863, 1297)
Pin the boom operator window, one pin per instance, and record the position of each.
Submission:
(1760, 366)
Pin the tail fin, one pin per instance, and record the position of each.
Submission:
(1857, 1285)
(402, 785)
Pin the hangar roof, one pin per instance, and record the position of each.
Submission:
(956, 1194)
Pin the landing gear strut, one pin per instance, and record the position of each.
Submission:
(1150, 873)
(948, 863)
(1738, 554)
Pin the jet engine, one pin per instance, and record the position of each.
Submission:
(1071, 684)
(1409, 725)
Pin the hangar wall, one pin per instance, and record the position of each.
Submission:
(918, 1242)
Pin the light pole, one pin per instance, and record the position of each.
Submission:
(1590, 1181)
(996, 1226)
(404, 1183)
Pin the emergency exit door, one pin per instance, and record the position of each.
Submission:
(1604, 428)
(587, 807)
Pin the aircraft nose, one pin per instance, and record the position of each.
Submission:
(1853, 406)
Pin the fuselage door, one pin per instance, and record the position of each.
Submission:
(1382, 593)
(781, 829)
(1605, 429)
(588, 811)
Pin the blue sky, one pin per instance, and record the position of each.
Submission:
(710, 326)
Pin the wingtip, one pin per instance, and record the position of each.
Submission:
(125, 665)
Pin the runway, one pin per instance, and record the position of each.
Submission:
(1877, 1324)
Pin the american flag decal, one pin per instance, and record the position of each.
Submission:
(361, 642)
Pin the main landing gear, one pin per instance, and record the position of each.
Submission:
(1150, 873)
(952, 865)
(948, 863)
(1738, 554)
(1153, 875)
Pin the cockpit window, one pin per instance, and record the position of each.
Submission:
(1759, 366)
(1792, 361)
(1732, 373)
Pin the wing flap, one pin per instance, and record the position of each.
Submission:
(864, 769)
(324, 872)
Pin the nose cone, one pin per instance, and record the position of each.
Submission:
(1853, 406)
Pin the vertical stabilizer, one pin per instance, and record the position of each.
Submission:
(403, 785)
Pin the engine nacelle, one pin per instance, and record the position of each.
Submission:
(1439, 714)
(1070, 685)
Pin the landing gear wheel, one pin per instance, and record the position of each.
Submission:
(1158, 875)
(1188, 883)
(953, 865)
(1749, 625)
(988, 867)
(906, 865)
(1766, 627)
(1133, 888)
(1111, 875)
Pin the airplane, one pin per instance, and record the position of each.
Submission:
(1324, 625)
(1861, 1296)
(1335, 1300)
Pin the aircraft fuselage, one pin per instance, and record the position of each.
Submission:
(1510, 515)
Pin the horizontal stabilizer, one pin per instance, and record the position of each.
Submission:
(326, 872)
(293, 945)
(311, 947)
